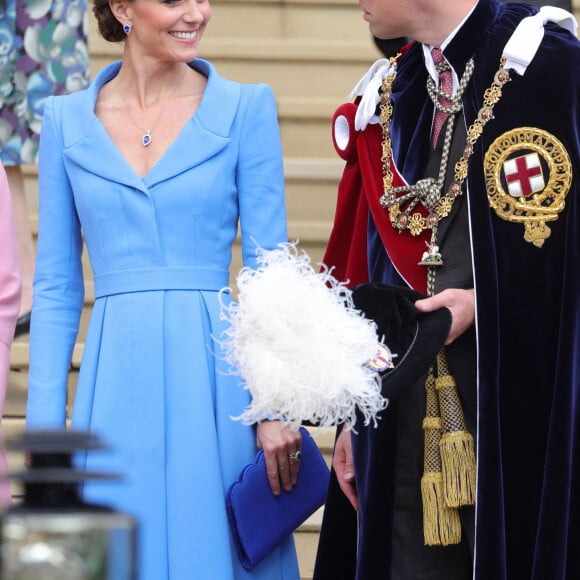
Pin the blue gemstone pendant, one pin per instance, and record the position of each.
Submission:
(146, 139)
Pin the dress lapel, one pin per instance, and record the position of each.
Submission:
(87, 144)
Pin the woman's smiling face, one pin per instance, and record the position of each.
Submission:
(168, 29)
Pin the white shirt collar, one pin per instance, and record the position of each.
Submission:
(430, 65)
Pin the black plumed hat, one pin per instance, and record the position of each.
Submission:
(414, 337)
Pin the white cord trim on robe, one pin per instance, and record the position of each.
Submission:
(368, 89)
(526, 38)
(299, 345)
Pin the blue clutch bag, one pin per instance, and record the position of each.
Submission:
(260, 520)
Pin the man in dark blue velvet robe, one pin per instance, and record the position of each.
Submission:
(510, 276)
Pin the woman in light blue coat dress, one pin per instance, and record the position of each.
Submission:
(156, 164)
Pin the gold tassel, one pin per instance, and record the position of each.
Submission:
(457, 455)
(441, 524)
(456, 446)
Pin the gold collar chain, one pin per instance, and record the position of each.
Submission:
(416, 222)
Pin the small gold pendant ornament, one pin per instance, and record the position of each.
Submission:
(528, 175)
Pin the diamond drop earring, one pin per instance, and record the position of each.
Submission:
(127, 27)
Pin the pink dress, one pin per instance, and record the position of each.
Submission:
(9, 303)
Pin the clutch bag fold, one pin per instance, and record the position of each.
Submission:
(259, 520)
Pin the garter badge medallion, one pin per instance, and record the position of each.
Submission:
(528, 174)
(383, 360)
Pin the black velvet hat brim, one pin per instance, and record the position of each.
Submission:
(414, 337)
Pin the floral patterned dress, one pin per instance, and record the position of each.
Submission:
(43, 52)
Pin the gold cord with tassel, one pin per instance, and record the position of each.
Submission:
(441, 523)
(456, 446)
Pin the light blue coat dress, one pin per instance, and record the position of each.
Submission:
(152, 383)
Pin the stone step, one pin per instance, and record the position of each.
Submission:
(311, 187)
(333, 20)
(306, 125)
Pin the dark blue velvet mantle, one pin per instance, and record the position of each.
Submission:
(527, 319)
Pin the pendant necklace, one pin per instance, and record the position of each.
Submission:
(146, 138)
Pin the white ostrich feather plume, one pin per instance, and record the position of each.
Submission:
(299, 345)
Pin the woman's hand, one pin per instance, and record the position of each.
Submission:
(280, 444)
(344, 467)
(462, 306)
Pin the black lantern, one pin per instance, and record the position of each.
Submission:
(53, 534)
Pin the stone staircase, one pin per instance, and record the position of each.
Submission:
(311, 52)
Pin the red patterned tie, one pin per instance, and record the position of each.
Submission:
(446, 86)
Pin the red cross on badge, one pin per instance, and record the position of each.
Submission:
(524, 175)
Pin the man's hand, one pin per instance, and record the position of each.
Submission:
(462, 306)
(344, 468)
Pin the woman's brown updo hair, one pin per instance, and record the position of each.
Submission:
(109, 27)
